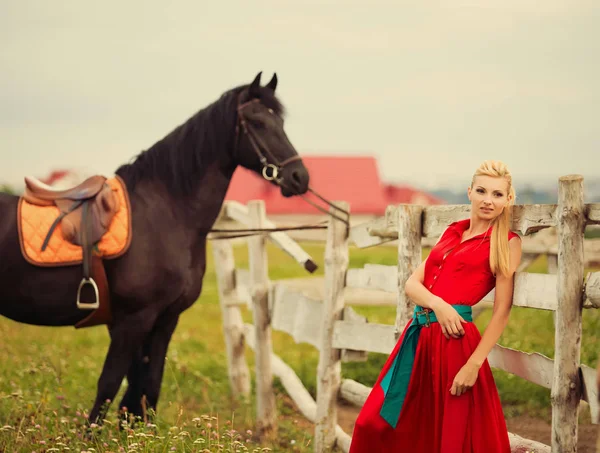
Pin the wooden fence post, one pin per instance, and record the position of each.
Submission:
(409, 258)
(259, 287)
(233, 325)
(566, 385)
(329, 371)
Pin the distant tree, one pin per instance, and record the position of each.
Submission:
(6, 189)
(527, 195)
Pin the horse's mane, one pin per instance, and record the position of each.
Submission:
(180, 159)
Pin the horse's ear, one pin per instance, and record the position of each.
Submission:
(273, 83)
(255, 85)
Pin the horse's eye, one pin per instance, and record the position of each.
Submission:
(271, 111)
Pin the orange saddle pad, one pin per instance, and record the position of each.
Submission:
(35, 221)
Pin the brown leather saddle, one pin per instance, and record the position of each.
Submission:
(86, 212)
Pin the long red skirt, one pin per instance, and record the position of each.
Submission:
(432, 419)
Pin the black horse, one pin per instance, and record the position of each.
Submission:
(176, 190)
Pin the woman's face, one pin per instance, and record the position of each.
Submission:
(488, 196)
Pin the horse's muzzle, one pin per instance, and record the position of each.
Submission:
(295, 180)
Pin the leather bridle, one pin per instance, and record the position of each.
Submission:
(271, 170)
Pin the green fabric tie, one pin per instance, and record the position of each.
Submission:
(395, 382)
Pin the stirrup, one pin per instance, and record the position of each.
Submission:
(88, 305)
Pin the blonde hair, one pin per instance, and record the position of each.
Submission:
(499, 251)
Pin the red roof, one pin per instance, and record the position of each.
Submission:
(344, 178)
(56, 175)
(406, 194)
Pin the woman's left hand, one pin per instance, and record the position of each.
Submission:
(465, 379)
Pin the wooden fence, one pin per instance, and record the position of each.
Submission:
(342, 335)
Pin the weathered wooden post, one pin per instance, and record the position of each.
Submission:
(409, 258)
(233, 325)
(566, 385)
(329, 371)
(259, 287)
(598, 387)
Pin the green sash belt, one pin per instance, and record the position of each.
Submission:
(395, 382)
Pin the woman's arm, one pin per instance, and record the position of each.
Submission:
(415, 289)
(467, 376)
(502, 305)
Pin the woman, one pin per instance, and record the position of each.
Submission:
(436, 392)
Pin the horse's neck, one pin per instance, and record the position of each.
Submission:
(193, 213)
(205, 206)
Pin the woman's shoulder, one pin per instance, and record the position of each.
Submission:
(448, 230)
(512, 235)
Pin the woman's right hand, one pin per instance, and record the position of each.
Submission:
(448, 318)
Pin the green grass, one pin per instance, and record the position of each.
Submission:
(48, 376)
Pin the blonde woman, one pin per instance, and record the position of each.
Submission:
(436, 392)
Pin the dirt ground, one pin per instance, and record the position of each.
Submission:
(524, 426)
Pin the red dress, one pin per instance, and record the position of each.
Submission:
(432, 420)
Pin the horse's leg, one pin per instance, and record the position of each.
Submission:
(132, 400)
(158, 345)
(144, 377)
(127, 336)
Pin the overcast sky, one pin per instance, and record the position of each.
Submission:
(430, 88)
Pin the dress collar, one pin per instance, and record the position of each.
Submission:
(462, 225)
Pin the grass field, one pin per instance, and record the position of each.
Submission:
(48, 376)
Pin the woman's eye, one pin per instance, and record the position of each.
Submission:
(479, 190)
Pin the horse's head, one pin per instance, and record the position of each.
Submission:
(261, 142)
